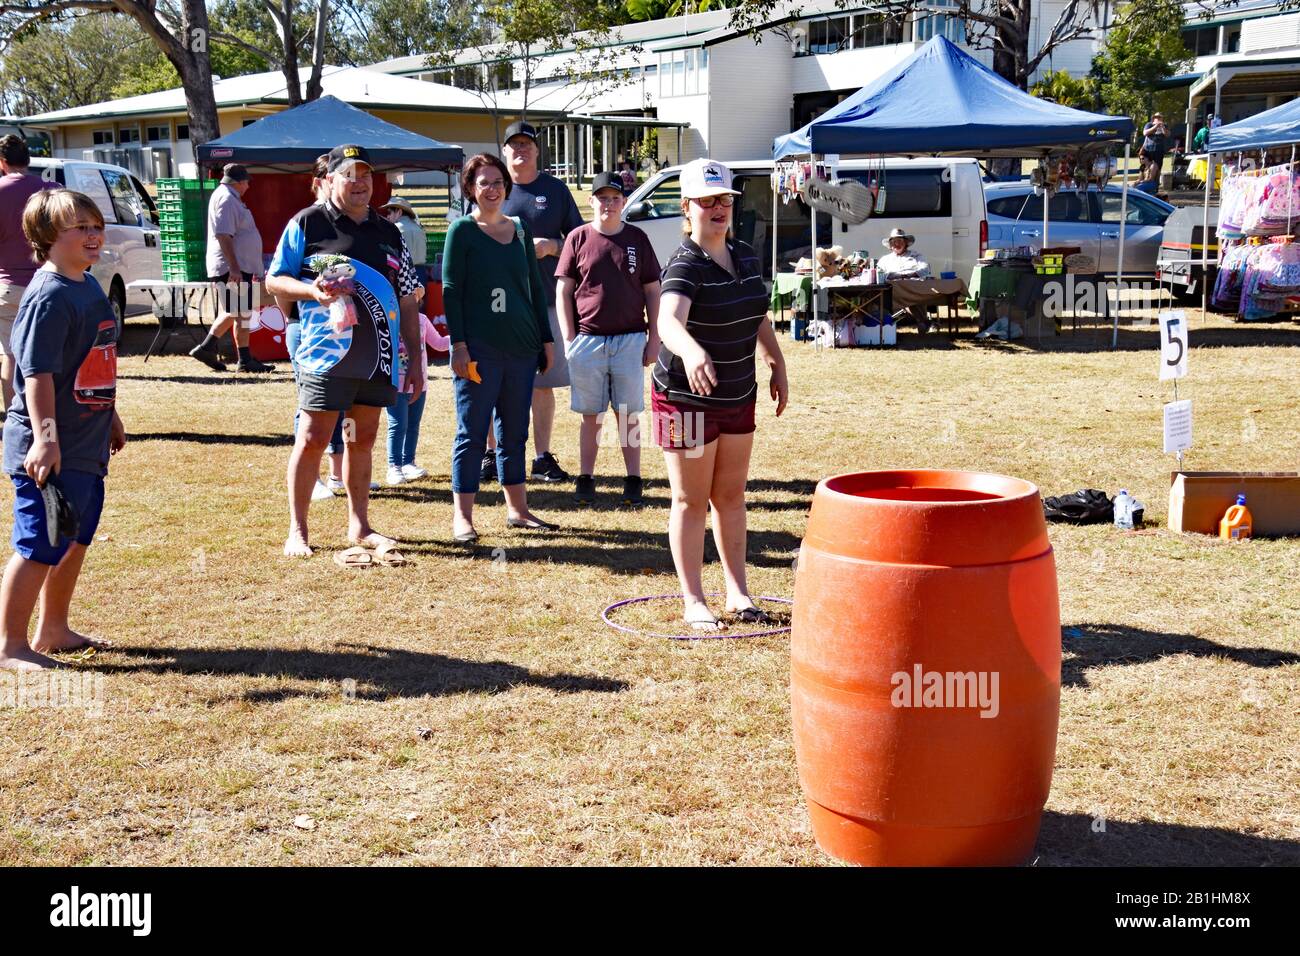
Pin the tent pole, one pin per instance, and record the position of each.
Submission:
(812, 216)
(1123, 234)
(1046, 203)
(775, 213)
(1205, 239)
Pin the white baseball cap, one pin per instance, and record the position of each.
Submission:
(706, 177)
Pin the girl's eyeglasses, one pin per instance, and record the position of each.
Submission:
(708, 202)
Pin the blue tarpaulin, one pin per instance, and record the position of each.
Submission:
(1279, 126)
(301, 134)
(941, 100)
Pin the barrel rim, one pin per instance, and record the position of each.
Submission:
(1026, 490)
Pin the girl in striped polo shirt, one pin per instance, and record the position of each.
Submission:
(712, 322)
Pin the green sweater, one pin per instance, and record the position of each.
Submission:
(493, 293)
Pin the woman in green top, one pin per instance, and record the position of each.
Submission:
(500, 339)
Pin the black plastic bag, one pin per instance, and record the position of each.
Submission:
(1088, 506)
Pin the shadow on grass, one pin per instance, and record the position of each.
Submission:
(1075, 839)
(380, 673)
(201, 438)
(1086, 646)
(212, 378)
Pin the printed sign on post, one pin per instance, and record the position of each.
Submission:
(1178, 426)
(1173, 345)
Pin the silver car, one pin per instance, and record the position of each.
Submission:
(1088, 220)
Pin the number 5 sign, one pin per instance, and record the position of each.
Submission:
(1173, 345)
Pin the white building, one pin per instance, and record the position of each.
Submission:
(703, 84)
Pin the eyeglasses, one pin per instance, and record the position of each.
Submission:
(708, 202)
(86, 229)
(493, 184)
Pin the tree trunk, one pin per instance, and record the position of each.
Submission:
(1023, 10)
(318, 52)
(189, 54)
(283, 18)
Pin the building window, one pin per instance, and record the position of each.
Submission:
(103, 137)
(157, 134)
(182, 131)
(829, 35)
(128, 134)
(941, 24)
(1203, 41)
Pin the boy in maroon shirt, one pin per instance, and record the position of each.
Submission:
(607, 299)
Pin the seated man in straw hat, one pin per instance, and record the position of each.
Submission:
(903, 262)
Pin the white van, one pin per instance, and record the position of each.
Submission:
(131, 232)
(940, 201)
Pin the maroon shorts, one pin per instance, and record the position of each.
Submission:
(689, 426)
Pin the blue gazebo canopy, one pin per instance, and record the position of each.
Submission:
(942, 101)
(299, 135)
(1279, 126)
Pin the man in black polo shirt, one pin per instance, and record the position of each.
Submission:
(351, 275)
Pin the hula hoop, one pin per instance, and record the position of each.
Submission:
(695, 635)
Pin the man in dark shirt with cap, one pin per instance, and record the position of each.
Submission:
(547, 206)
(350, 273)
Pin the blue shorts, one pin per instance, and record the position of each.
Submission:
(605, 371)
(83, 490)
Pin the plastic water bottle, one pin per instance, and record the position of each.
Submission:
(1123, 509)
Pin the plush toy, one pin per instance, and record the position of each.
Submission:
(338, 274)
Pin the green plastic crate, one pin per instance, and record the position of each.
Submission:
(183, 244)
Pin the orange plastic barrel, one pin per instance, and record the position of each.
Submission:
(913, 590)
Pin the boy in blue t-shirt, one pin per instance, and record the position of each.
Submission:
(62, 427)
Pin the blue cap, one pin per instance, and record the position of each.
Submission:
(1241, 499)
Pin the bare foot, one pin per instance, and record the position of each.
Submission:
(371, 539)
(65, 639)
(296, 546)
(26, 659)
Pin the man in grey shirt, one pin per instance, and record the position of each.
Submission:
(234, 263)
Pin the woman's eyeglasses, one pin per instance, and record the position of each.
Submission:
(494, 184)
(708, 202)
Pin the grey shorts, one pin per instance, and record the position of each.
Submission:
(558, 376)
(325, 393)
(10, 296)
(605, 371)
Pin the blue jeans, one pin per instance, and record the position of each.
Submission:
(292, 336)
(507, 386)
(404, 429)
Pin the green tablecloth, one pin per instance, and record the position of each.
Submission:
(993, 282)
(791, 289)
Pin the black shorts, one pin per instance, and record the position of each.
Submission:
(328, 393)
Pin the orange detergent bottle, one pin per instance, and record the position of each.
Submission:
(1235, 524)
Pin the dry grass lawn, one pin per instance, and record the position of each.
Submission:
(473, 708)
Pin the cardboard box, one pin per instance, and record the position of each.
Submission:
(1198, 499)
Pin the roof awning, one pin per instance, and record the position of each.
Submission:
(646, 121)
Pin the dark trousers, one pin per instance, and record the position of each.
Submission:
(507, 386)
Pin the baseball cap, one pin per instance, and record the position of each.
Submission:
(706, 177)
(346, 155)
(520, 129)
(234, 173)
(606, 181)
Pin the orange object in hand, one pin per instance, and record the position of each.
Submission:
(472, 373)
(925, 668)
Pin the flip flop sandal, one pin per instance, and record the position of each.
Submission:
(354, 558)
(390, 557)
(534, 525)
(701, 623)
(753, 615)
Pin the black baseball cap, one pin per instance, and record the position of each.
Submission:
(520, 129)
(341, 156)
(606, 181)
